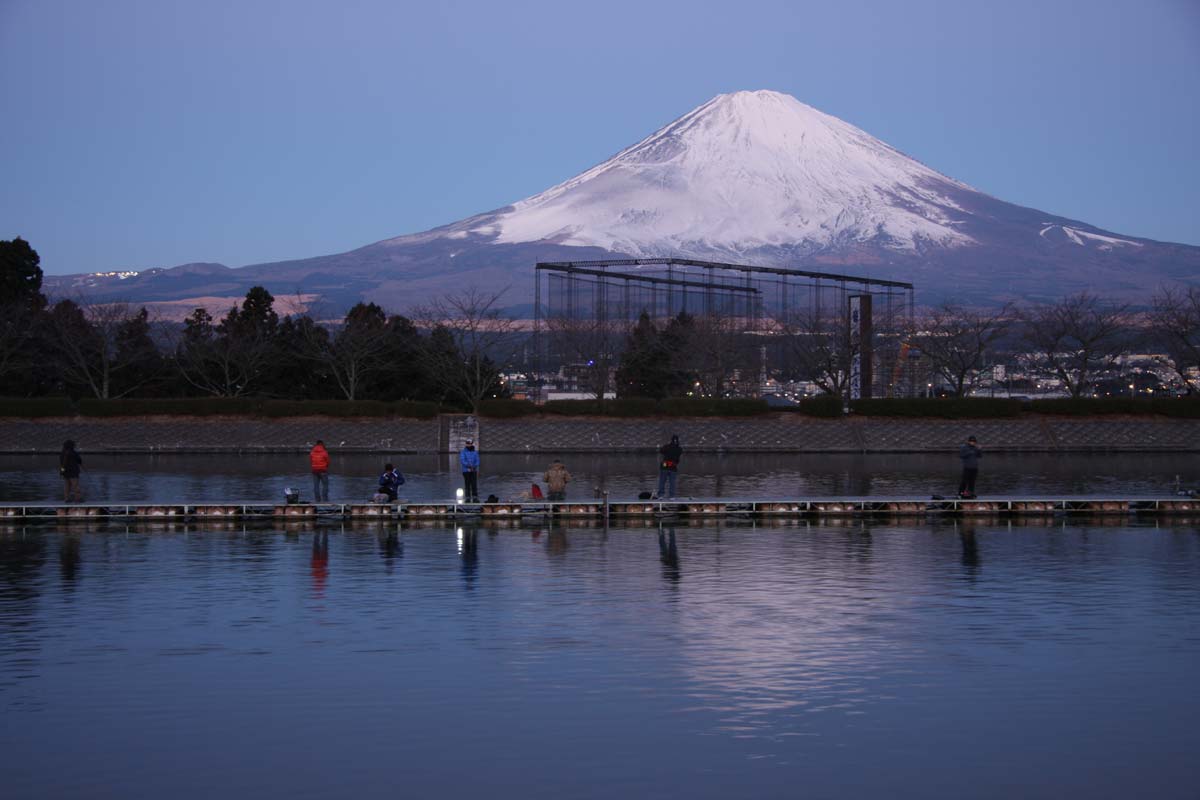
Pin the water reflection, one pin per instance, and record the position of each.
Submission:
(668, 556)
(970, 549)
(319, 564)
(859, 543)
(792, 649)
(21, 559)
(391, 549)
(69, 558)
(556, 542)
(468, 550)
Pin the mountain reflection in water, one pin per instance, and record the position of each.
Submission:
(988, 659)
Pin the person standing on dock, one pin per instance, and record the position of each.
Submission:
(668, 467)
(468, 458)
(557, 478)
(318, 459)
(970, 453)
(69, 465)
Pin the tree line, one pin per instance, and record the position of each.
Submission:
(441, 353)
(1080, 342)
(451, 350)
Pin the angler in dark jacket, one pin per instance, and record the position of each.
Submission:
(970, 454)
(69, 464)
(668, 466)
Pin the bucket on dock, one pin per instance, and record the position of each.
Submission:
(291, 496)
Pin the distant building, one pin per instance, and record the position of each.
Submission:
(553, 395)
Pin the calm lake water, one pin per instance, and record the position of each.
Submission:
(857, 660)
(179, 478)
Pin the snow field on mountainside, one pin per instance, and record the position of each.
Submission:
(743, 171)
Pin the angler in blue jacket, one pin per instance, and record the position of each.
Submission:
(390, 482)
(468, 457)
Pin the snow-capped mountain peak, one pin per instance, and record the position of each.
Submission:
(749, 177)
(744, 171)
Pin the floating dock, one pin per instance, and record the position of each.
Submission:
(612, 510)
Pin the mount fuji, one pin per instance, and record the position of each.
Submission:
(751, 177)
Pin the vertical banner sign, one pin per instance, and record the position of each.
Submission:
(860, 346)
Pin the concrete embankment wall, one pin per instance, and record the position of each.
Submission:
(770, 433)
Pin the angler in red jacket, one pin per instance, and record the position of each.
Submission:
(318, 458)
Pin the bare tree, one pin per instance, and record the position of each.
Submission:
(211, 363)
(1174, 325)
(104, 347)
(468, 329)
(229, 359)
(717, 349)
(818, 345)
(959, 342)
(592, 343)
(1076, 338)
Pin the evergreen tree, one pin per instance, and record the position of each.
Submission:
(441, 364)
(233, 358)
(22, 317)
(256, 319)
(295, 371)
(20, 273)
(645, 369)
(404, 377)
(143, 366)
(75, 350)
(679, 342)
(103, 349)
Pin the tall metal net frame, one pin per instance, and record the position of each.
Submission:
(584, 311)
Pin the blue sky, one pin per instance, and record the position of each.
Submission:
(143, 133)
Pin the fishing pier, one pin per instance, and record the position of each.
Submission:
(606, 509)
